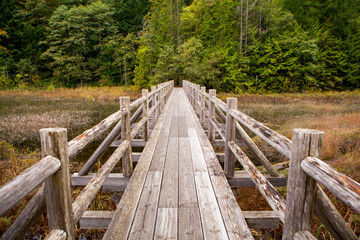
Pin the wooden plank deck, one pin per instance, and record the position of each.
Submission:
(178, 189)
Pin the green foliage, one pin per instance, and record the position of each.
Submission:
(143, 68)
(76, 36)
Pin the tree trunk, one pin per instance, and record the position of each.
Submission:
(246, 26)
(260, 16)
(241, 26)
(177, 24)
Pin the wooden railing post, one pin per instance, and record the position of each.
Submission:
(154, 103)
(127, 164)
(145, 106)
(229, 161)
(211, 129)
(202, 107)
(57, 187)
(197, 98)
(301, 188)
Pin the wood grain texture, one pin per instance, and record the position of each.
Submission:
(15, 190)
(144, 222)
(77, 144)
(300, 195)
(301, 235)
(271, 195)
(233, 218)
(274, 139)
(145, 115)
(229, 161)
(340, 185)
(261, 219)
(99, 152)
(120, 225)
(56, 234)
(88, 193)
(27, 217)
(57, 187)
(331, 218)
(211, 129)
(166, 224)
(96, 219)
(127, 165)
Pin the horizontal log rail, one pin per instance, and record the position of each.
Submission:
(15, 190)
(346, 189)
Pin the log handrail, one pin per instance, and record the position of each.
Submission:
(20, 186)
(346, 189)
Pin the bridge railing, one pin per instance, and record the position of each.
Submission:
(304, 195)
(53, 169)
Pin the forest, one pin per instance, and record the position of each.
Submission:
(240, 46)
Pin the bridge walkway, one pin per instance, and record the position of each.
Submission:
(178, 189)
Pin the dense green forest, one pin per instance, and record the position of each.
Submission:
(255, 46)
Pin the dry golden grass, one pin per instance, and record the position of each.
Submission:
(90, 93)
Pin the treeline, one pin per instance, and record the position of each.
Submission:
(233, 45)
(69, 42)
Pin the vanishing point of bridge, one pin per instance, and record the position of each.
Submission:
(180, 187)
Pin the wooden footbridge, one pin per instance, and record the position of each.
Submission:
(180, 188)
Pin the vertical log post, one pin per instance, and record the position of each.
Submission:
(145, 107)
(197, 98)
(301, 188)
(202, 108)
(57, 187)
(127, 164)
(229, 161)
(211, 129)
(162, 96)
(154, 103)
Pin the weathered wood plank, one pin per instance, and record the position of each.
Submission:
(331, 218)
(233, 219)
(212, 222)
(271, 195)
(242, 179)
(77, 144)
(96, 219)
(15, 190)
(339, 184)
(190, 223)
(88, 193)
(274, 139)
(56, 234)
(57, 187)
(169, 189)
(197, 154)
(27, 217)
(134, 143)
(166, 224)
(120, 225)
(301, 235)
(218, 127)
(99, 152)
(187, 191)
(144, 222)
(261, 219)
